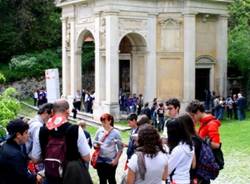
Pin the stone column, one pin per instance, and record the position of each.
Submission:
(134, 78)
(150, 68)
(99, 69)
(189, 57)
(73, 57)
(221, 48)
(79, 68)
(65, 62)
(112, 64)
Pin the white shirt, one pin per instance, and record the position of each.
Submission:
(154, 168)
(180, 159)
(34, 126)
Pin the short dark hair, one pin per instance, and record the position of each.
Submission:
(16, 126)
(173, 101)
(45, 108)
(132, 117)
(143, 119)
(195, 106)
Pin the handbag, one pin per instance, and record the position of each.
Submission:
(94, 158)
(219, 158)
(96, 153)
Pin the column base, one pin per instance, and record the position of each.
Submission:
(104, 107)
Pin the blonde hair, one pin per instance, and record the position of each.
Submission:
(81, 123)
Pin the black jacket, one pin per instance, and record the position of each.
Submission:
(13, 165)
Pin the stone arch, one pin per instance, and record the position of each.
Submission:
(132, 61)
(84, 36)
(205, 59)
(84, 32)
(136, 39)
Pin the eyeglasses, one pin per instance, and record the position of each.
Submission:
(102, 119)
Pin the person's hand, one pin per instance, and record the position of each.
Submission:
(114, 162)
(39, 179)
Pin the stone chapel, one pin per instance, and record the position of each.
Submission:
(158, 48)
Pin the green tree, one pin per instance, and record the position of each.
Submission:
(2, 79)
(27, 26)
(34, 63)
(239, 39)
(239, 34)
(88, 56)
(9, 106)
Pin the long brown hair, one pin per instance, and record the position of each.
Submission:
(149, 141)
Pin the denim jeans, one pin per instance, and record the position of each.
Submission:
(241, 114)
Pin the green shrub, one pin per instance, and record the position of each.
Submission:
(9, 106)
(32, 65)
(2, 78)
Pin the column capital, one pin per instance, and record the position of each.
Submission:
(153, 15)
(97, 13)
(111, 13)
(71, 19)
(63, 19)
(188, 13)
(223, 16)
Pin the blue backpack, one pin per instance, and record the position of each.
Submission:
(207, 167)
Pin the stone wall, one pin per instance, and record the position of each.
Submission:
(26, 86)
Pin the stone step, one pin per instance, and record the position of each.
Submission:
(87, 117)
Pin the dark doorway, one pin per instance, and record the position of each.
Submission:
(124, 76)
(201, 83)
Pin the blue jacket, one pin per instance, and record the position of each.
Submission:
(241, 103)
(13, 165)
(131, 145)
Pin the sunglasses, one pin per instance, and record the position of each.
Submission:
(102, 119)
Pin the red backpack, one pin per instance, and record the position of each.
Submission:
(55, 157)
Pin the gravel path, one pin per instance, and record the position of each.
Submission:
(236, 171)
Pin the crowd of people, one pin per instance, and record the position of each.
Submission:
(40, 97)
(83, 101)
(233, 106)
(48, 149)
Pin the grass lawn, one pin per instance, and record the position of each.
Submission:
(27, 111)
(236, 147)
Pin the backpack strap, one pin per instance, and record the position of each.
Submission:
(106, 135)
(141, 164)
(171, 175)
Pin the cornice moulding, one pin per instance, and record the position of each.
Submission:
(68, 3)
